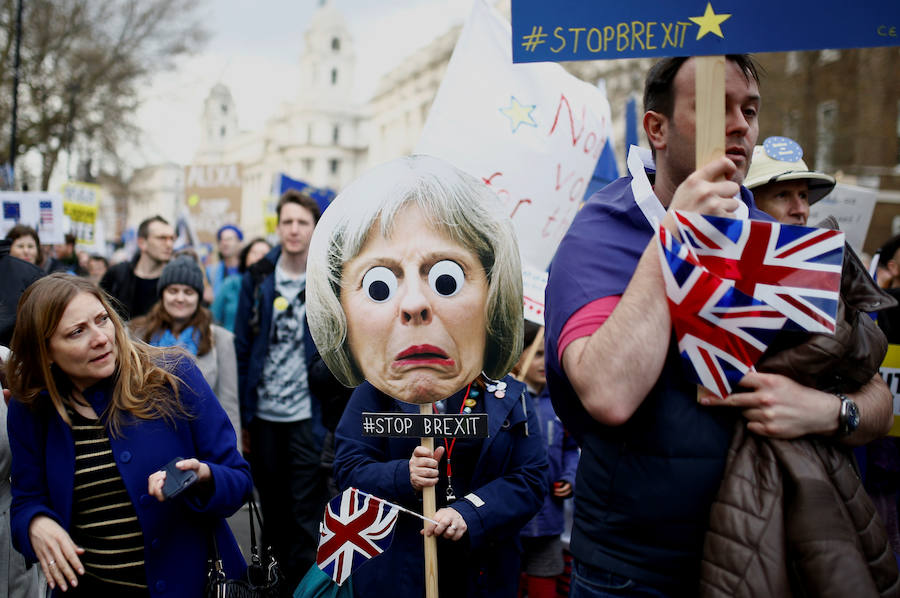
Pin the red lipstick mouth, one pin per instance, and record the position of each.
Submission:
(422, 354)
(419, 351)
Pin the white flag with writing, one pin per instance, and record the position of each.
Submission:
(532, 132)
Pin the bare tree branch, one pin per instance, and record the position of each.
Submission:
(82, 63)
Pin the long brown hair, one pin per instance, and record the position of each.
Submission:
(158, 319)
(143, 385)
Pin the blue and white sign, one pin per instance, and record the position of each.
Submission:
(579, 30)
(41, 210)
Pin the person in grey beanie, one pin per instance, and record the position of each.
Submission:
(178, 319)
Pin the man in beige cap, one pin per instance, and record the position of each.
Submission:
(782, 185)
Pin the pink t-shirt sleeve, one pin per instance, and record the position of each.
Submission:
(585, 321)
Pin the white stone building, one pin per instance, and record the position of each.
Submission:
(317, 137)
(326, 139)
(403, 98)
(220, 125)
(155, 190)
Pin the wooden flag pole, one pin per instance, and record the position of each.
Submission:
(429, 504)
(709, 119)
(709, 115)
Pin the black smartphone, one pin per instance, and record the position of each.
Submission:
(177, 481)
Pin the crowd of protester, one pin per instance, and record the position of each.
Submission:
(120, 378)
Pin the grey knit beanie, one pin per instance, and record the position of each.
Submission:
(182, 270)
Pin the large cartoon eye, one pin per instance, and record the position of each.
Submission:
(380, 284)
(446, 278)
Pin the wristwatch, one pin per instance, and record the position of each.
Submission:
(848, 418)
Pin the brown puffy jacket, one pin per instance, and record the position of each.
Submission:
(792, 519)
(847, 359)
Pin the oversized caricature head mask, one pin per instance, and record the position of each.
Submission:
(414, 282)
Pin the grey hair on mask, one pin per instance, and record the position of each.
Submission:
(454, 203)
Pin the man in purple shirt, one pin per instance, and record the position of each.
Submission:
(652, 455)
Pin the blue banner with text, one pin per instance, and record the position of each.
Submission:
(595, 30)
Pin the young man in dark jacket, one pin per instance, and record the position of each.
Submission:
(133, 284)
(282, 419)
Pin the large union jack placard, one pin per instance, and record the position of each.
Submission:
(735, 283)
(356, 527)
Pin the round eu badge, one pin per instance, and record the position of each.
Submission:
(783, 149)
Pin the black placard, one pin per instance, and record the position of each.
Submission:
(416, 425)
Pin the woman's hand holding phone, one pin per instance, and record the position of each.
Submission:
(177, 476)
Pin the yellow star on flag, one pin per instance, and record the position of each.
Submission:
(518, 114)
(710, 21)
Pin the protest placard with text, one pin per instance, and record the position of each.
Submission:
(890, 371)
(532, 133)
(852, 207)
(578, 30)
(213, 193)
(81, 201)
(41, 210)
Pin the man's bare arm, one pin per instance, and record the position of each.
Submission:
(613, 370)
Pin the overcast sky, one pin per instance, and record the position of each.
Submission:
(254, 49)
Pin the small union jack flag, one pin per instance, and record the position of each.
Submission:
(356, 527)
(795, 269)
(721, 331)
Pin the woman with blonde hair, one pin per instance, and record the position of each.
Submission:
(94, 419)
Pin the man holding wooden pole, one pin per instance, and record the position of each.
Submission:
(653, 456)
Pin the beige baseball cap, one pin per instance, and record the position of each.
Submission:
(781, 159)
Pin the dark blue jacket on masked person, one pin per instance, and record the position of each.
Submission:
(176, 532)
(500, 482)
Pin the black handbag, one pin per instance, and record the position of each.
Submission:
(263, 578)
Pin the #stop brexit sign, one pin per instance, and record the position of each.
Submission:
(578, 30)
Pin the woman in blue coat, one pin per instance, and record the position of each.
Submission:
(414, 284)
(94, 417)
